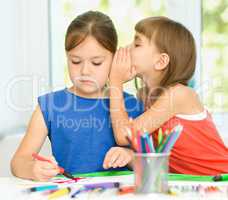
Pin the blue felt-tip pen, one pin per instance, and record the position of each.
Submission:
(77, 192)
(42, 188)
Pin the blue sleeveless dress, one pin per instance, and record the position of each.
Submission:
(80, 129)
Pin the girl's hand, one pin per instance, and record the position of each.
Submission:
(43, 171)
(117, 157)
(121, 70)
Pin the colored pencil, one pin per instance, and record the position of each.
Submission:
(149, 142)
(172, 139)
(139, 142)
(160, 136)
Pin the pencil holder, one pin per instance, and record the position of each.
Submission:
(151, 172)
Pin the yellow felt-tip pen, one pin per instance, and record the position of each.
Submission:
(59, 193)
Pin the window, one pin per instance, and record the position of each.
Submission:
(124, 21)
(215, 60)
(211, 77)
(124, 18)
(215, 51)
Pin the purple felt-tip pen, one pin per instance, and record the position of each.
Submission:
(106, 185)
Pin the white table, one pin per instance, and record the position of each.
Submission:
(11, 188)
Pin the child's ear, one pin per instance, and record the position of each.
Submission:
(163, 61)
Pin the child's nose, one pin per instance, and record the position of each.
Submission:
(85, 69)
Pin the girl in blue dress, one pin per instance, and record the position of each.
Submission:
(77, 119)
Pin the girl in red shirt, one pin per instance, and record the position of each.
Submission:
(163, 55)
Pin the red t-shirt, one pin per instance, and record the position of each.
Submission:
(199, 150)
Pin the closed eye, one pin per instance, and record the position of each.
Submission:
(96, 64)
(76, 63)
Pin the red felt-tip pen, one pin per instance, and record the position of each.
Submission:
(61, 170)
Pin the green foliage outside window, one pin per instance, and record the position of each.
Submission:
(215, 54)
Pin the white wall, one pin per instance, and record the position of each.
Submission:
(24, 60)
(58, 29)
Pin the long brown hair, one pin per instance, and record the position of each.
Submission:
(177, 41)
(92, 23)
